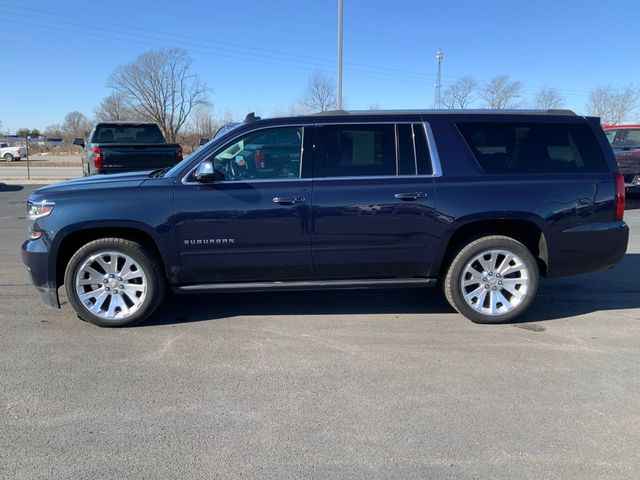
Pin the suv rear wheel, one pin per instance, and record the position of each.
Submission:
(114, 282)
(493, 279)
(8, 157)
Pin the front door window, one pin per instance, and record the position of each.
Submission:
(268, 154)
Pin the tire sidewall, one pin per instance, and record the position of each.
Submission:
(150, 301)
(456, 270)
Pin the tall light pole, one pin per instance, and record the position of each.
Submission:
(339, 99)
(437, 103)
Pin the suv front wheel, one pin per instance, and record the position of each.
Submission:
(493, 279)
(114, 282)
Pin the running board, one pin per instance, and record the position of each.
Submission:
(306, 285)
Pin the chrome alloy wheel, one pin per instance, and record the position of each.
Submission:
(111, 285)
(494, 282)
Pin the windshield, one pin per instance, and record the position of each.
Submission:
(224, 129)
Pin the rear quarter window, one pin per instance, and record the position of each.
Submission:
(122, 133)
(534, 147)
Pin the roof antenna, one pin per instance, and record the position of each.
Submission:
(251, 117)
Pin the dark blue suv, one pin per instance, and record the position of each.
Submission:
(482, 203)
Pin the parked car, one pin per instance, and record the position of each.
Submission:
(12, 153)
(116, 147)
(481, 203)
(625, 141)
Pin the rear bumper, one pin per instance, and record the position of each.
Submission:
(588, 248)
(35, 257)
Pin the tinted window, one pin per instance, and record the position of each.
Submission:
(359, 150)
(627, 137)
(127, 134)
(534, 148)
(611, 134)
(423, 158)
(265, 154)
(406, 150)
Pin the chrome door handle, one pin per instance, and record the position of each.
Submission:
(410, 196)
(288, 200)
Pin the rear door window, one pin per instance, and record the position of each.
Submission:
(359, 150)
(534, 147)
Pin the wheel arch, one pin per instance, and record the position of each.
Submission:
(526, 232)
(77, 238)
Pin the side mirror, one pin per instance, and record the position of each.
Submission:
(203, 141)
(79, 141)
(205, 173)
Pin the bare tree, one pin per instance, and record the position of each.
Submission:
(548, 98)
(293, 110)
(76, 124)
(114, 107)
(374, 107)
(500, 92)
(319, 94)
(204, 124)
(613, 105)
(54, 130)
(160, 87)
(461, 94)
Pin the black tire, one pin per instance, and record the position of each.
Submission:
(455, 292)
(8, 157)
(147, 261)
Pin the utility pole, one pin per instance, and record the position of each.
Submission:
(437, 103)
(28, 160)
(339, 99)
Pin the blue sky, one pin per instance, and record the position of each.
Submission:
(257, 55)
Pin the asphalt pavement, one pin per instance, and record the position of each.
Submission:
(42, 168)
(350, 384)
(19, 173)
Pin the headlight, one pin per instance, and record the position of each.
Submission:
(39, 210)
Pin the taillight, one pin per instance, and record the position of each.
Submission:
(627, 156)
(178, 154)
(619, 196)
(97, 157)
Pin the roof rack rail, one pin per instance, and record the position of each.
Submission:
(560, 111)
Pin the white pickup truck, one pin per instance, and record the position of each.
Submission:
(12, 153)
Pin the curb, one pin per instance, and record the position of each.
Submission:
(33, 181)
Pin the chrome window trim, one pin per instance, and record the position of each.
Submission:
(370, 177)
(415, 151)
(365, 123)
(251, 180)
(436, 168)
(396, 136)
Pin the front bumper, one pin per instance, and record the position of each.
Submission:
(35, 257)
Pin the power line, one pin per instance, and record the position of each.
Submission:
(86, 21)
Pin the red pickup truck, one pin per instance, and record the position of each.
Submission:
(625, 141)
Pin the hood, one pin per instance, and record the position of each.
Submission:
(118, 180)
